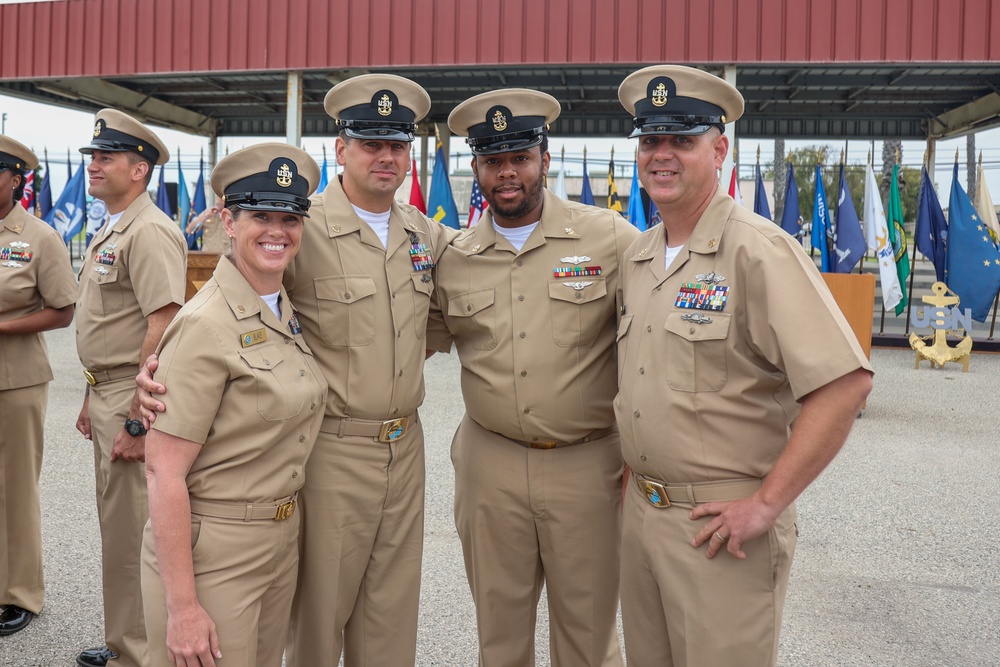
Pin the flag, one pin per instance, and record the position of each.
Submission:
(614, 203)
(441, 204)
(162, 198)
(734, 185)
(849, 242)
(931, 232)
(636, 211)
(822, 227)
(892, 293)
(28, 197)
(97, 215)
(790, 215)
(897, 236)
(68, 213)
(654, 215)
(984, 204)
(323, 180)
(198, 206)
(972, 258)
(760, 206)
(45, 194)
(586, 194)
(476, 204)
(183, 198)
(560, 187)
(416, 194)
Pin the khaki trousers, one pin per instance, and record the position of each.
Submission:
(122, 509)
(681, 609)
(244, 576)
(533, 516)
(361, 545)
(21, 442)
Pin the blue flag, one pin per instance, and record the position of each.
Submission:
(931, 232)
(198, 206)
(45, 194)
(790, 215)
(821, 225)
(69, 212)
(441, 202)
(323, 179)
(183, 198)
(760, 206)
(636, 211)
(654, 215)
(973, 261)
(849, 244)
(586, 195)
(162, 198)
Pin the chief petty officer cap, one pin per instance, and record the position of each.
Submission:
(267, 177)
(117, 132)
(385, 107)
(673, 99)
(501, 121)
(15, 155)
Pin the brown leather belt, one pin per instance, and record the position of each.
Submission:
(661, 494)
(278, 510)
(386, 431)
(552, 444)
(97, 377)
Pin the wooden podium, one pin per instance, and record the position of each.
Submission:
(200, 267)
(855, 294)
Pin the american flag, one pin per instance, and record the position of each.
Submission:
(476, 204)
(28, 198)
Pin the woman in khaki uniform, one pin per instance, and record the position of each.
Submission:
(37, 292)
(225, 462)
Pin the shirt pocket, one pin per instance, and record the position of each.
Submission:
(474, 316)
(695, 358)
(104, 295)
(278, 395)
(346, 306)
(578, 309)
(423, 287)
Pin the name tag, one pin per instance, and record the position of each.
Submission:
(253, 337)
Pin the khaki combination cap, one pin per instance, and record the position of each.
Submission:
(673, 99)
(15, 155)
(117, 132)
(501, 121)
(267, 177)
(385, 107)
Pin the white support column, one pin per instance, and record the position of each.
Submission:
(729, 74)
(423, 163)
(293, 119)
(931, 151)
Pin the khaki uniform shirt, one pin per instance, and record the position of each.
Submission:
(243, 385)
(536, 346)
(363, 307)
(136, 269)
(35, 273)
(213, 238)
(710, 394)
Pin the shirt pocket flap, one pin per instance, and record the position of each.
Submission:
(578, 291)
(344, 289)
(470, 303)
(262, 358)
(623, 326)
(422, 282)
(700, 325)
(108, 275)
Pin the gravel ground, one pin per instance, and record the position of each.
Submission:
(895, 564)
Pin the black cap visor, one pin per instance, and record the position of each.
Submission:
(113, 141)
(682, 125)
(279, 202)
(506, 143)
(379, 131)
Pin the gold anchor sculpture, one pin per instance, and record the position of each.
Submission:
(939, 353)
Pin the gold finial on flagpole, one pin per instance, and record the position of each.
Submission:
(758, 153)
(585, 152)
(612, 153)
(841, 156)
(869, 157)
(980, 159)
(956, 155)
(562, 153)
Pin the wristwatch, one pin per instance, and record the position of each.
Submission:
(134, 428)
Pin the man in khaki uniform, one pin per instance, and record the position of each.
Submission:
(528, 296)
(131, 285)
(37, 293)
(728, 336)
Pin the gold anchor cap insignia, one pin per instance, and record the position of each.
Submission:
(499, 121)
(659, 95)
(284, 178)
(385, 105)
(97, 129)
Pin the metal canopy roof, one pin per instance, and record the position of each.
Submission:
(869, 100)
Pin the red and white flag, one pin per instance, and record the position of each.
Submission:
(28, 198)
(476, 204)
(416, 194)
(734, 185)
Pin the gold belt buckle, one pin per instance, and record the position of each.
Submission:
(550, 444)
(285, 511)
(393, 429)
(656, 493)
(91, 380)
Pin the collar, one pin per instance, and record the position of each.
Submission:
(341, 219)
(131, 212)
(17, 219)
(552, 225)
(244, 302)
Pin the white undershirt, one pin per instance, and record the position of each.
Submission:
(272, 301)
(379, 222)
(669, 255)
(112, 221)
(517, 236)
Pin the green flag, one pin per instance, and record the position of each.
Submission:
(897, 237)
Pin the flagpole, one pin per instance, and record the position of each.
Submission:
(996, 299)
